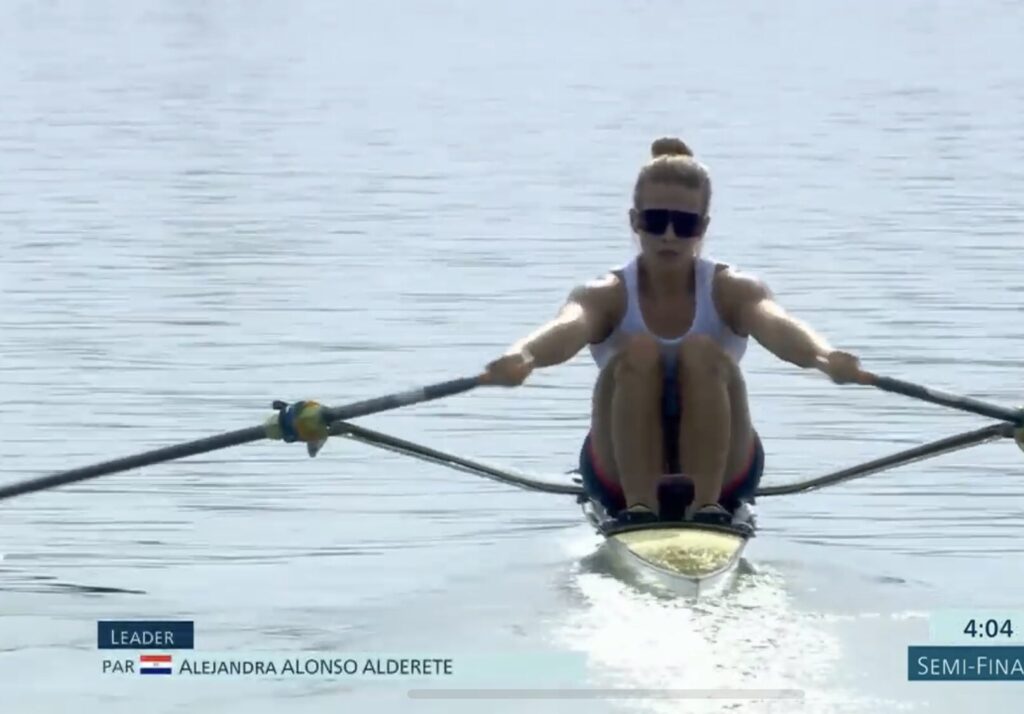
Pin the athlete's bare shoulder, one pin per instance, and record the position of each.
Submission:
(609, 283)
(603, 300)
(733, 289)
(731, 278)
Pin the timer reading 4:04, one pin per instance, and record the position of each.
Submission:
(989, 629)
(976, 627)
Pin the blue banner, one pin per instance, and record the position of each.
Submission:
(965, 664)
(145, 634)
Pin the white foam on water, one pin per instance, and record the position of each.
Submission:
(752, 637)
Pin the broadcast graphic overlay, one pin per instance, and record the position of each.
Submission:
(167, 649)
(970, 646)
(152, 640)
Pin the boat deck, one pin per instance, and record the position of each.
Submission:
(686, 557)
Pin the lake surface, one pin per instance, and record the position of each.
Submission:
(206, 206)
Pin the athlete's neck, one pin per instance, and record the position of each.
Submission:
(668, 280)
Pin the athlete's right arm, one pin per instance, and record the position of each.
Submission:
(585, 317)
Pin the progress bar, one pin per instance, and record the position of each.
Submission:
(616, 693)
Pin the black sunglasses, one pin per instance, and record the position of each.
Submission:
(684, 223)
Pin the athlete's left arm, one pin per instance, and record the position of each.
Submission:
(749, 308)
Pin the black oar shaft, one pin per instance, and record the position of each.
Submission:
(236, 438)
(954, 401)
(148, 458)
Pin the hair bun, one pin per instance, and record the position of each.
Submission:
(670, 146)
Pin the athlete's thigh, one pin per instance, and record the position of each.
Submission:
(741, 429)
(601, 414)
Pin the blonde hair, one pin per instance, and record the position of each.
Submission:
(672, 162)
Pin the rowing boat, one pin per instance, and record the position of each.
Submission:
(682, 557)
(691, 557)
(686, 558)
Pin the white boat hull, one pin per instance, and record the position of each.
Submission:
(690, 559)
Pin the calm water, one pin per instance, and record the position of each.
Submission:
(209, 205)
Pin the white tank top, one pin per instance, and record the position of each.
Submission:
(706, 320)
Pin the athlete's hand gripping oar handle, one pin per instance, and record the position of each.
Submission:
(275, 428)
(954, 401)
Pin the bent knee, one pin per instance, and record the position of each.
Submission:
(640, 356)
(700, 355)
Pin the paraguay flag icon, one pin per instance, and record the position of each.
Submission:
(154, 664)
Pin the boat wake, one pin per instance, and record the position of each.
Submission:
(748, 649)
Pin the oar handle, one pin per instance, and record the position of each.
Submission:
(401, 399)
(946, 399)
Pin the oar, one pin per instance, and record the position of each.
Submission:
(902, 458)
(946, 399)
(302, 421)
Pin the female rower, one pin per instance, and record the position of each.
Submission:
(668, 331)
